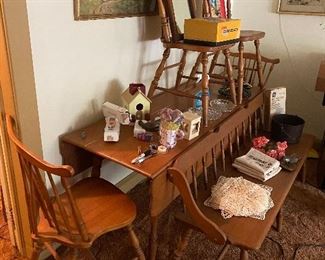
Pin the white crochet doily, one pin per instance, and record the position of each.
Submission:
(239, 197)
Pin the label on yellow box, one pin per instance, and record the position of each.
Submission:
(212, 31)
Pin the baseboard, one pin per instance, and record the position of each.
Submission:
(130, 182)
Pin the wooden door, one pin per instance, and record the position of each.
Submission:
(10, 176)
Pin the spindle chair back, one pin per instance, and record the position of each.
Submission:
(218, 72)
(210, 158)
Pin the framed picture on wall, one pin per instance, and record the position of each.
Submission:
(102, 9)
(307, 7)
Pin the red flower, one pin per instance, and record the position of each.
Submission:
(272, 153)
(282, 146)
(281, 154)
(260, 142)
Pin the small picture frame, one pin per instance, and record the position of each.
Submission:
(304, 7)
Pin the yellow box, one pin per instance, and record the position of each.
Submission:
(212, 31)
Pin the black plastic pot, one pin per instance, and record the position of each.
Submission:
(286, 127)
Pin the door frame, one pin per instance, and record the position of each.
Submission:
(12, 184)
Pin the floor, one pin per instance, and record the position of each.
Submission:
(302, 236)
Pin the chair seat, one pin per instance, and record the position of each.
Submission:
(195, 47)
(103, 208)
(236, 228)
(250, 35)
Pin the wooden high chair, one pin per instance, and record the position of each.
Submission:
(173, 39)
(76, 217)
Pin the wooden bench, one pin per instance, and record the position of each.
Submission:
(218, 150)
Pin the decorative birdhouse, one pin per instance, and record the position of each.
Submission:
(191, 126)
(136, 102)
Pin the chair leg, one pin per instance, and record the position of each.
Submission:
(159, 71)
(259, 64)
(181, 69)
(205, 89)
(135, 243)
(214, 62)
(52, 251)
(243, 254)
(223, 251)
(230, 76)
(194, 71)
(182, 244)
(240, 72)
(36, 251)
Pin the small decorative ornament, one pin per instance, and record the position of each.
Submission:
(191, 125)
(170, 132)
(112, 129)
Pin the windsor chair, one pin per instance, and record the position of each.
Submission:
(76, 217)
(172, 38)
(250, 70)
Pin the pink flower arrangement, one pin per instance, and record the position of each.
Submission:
(274, 150)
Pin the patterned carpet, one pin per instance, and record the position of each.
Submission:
(302, 236)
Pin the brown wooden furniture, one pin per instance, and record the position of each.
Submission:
(246, 233)
(85, 147)
(250, 70)
(173, 39)
(76, 217)
(245, 36)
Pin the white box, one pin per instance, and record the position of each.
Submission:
(121, 113)
(112, 129)
(274, 103)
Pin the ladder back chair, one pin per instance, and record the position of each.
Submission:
(172, 38)
(250, 70)
(216, 151)
(76, 217)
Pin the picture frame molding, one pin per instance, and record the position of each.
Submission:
(298, 12)
(83, 17)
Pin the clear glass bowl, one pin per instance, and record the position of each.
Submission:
(222, 105)
(213, 114)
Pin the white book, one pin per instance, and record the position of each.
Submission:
(256, 174)
(258, 161)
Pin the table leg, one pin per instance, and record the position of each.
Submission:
(243, 254)
(279, 220)
(153, 237)
(97, 164)
(303, 173)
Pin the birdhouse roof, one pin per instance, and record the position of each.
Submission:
(128, 98)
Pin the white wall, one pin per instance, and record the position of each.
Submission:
(299, 42)
(80, 64)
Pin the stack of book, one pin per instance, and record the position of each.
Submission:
(258, 165)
